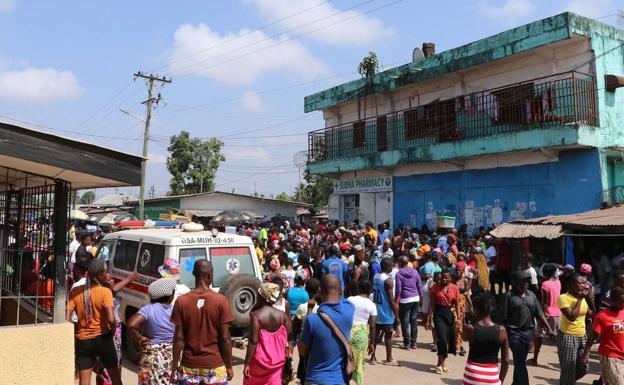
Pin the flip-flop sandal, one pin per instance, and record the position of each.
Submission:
(373, 362)
(438, 370)
(391, 363)
(445, 369)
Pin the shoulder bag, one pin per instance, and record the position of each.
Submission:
(348, 368)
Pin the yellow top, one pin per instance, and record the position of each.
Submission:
(576, 328)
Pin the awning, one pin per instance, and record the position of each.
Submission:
(212, 213)
(30, 158)
(526, 230)
(201, 213)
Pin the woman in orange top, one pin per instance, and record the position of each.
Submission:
(93, 304)
(444, 301)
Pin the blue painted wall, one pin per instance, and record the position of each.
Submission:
(482, 197)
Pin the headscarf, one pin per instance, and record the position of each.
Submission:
(269, 291)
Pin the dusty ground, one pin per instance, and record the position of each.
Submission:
(416, 368)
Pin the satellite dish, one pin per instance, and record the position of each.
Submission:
(417, 55)
(300, 159)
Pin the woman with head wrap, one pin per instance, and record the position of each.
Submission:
(152, 328)
(268, 340)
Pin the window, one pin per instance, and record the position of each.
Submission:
(230, 260)
(382, 133)
(105, 249)
(126, 254)
(413, 122)
(359, 134)
(187, 261)
(516, 105)
(433, 119)
(151, 257)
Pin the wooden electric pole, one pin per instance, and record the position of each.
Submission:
(150, 80)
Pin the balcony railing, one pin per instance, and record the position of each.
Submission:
(613, 196)
(564, 99)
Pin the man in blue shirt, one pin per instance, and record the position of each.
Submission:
(335, 265)
(325, 353)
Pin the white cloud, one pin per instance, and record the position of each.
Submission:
(38, 85)
(221, 62)
(252, 102)
(245, 153)
(358, 29)
(156, 158)
(594, 8)
(7, 5)
(510, 9)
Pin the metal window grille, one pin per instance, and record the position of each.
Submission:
(563, 99)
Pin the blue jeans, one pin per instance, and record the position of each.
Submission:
(519, 343)
(408, 313)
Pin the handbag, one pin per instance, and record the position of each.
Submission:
(348, 367)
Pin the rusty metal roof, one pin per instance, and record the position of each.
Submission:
(526, 230)
(613, 216)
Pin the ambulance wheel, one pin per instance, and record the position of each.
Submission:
(241, 291)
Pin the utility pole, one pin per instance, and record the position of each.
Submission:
(150, 80)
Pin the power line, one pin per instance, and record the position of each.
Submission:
(291, 38)
(64, 131)
(241, 35)
(270, 38)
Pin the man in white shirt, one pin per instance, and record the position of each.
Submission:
(73, 246)
(490, 258)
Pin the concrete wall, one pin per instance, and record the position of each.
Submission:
(486, 196)
(221, 202)
(42, 354)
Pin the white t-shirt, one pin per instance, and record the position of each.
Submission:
(489, 255)
(73, 247)
(364, 308)
(533, 273)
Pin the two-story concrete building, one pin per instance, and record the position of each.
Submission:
(525, 123)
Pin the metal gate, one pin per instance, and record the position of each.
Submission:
(33, 229)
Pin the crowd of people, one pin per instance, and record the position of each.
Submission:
(334, 293)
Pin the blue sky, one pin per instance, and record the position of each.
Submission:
(66, 66)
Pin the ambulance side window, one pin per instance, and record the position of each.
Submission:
(187, 260)
(151, 257)
(126, 254)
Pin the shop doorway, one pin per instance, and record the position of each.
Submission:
(351, 206)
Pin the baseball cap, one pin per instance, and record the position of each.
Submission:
(521, 275)
(358, 247)
(345, 246)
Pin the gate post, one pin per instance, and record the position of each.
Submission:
(61, 212)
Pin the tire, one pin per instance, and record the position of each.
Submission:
(241, 292)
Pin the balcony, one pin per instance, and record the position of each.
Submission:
(563, 100)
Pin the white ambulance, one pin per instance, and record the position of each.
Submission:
(237, 274)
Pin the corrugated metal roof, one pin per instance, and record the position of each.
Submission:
(612, 216)
(526, 230)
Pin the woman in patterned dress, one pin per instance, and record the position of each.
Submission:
(157, 337)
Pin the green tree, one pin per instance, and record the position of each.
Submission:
(315, 191)
(87, 198)
(193, 163)
(284, 196)
(369, 66)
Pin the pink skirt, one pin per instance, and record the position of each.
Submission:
(481, 374)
